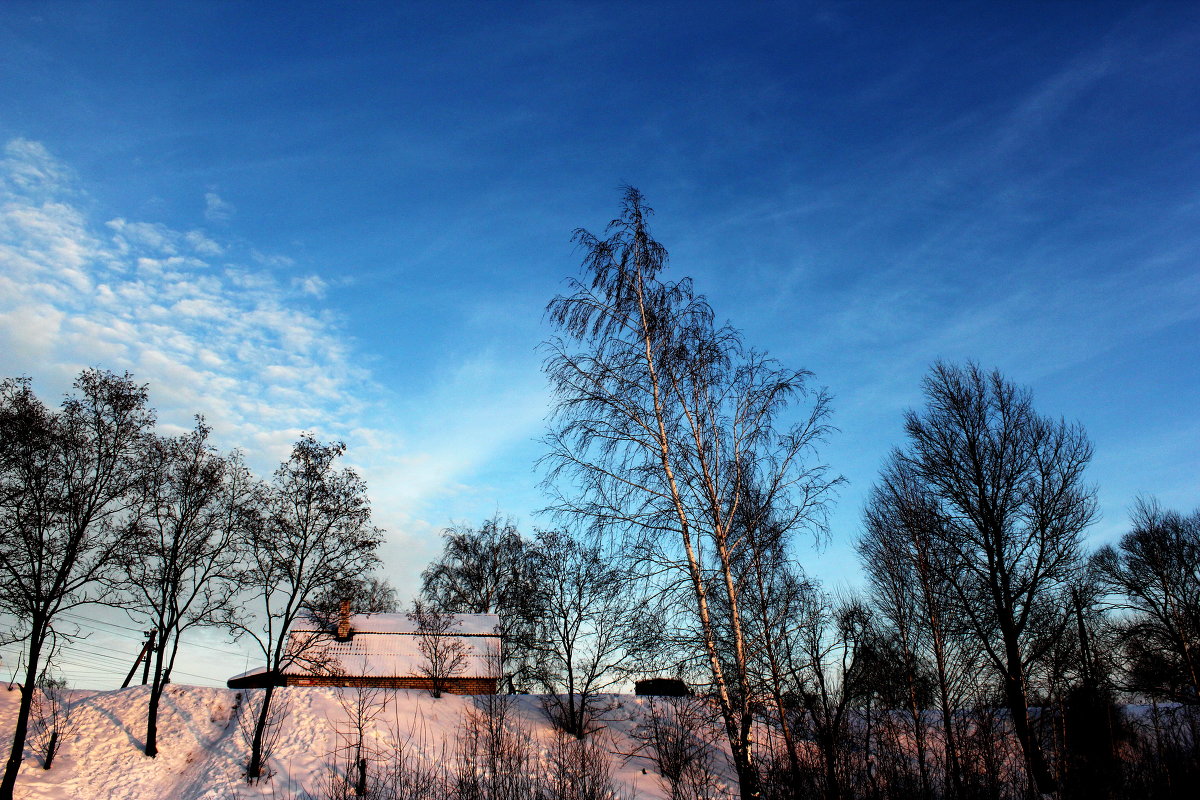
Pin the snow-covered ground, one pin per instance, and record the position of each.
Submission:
(203, 751)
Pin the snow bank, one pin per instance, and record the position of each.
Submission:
(203, 751)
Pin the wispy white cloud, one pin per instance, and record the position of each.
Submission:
(272, 260)
(311, 285)
(29, 168)
(144, 297)
(233, 336)
(217, 209)
(1053, 99)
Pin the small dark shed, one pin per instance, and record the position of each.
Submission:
(661, 687)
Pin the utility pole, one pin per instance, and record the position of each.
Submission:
(147, 648)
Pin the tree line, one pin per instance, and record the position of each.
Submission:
(989, 647)
(97, 507)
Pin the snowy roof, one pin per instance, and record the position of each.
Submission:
(388, 646)
(249, 672)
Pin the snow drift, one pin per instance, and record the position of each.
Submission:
(203, 747)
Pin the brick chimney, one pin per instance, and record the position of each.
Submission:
(343, 628)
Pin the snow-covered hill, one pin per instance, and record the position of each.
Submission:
(203, 751)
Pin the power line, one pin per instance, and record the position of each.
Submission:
(139, 631)
(76, 656)
(79, 648)
(184, 644)
(120, 658)
(73, 615)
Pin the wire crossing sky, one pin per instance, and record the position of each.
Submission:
(348, 218)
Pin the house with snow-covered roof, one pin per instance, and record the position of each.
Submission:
(385, 650)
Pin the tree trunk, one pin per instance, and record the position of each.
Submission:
(870, 727)
(953, 766)
(789, 736)
(1018, 708)
(748, 785)
(51, 749)
(954, 789)
(747, 771)
(152, 719)
(833, 788)
(13, 767)
(254, 769)
(360, 785)
(916, 713)
(156, 690)
(739, 743)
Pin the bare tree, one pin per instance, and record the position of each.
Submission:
(445, 653)
(1154, 574)
(485, 569)
(907, 569)
(262, 718)
(832, 670)
(65, 493)
(357, 755)
(579, 769)
(53, 716)
(314, 530)
(678, 735)
(183, 569)
(584, 606)
(497, 757)
(776, 607)
(664, 422)
(479, 569)
(1006, 488)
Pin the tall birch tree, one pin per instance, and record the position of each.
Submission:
(665, 422)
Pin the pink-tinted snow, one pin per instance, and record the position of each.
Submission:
(202, 751)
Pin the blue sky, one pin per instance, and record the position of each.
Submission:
(348, 218)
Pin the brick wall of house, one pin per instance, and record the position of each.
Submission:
(449, 685)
